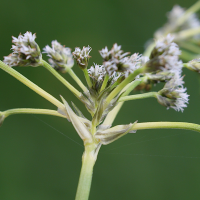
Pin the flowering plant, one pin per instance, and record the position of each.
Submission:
(109, 85)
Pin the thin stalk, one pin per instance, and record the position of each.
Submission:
(31, 85)
(61, 79)
(138, 96)
(113, 113)
(149, 48)
(85, 179)
(78, 81)
(186, 34)
(123, 84)
(87, 77)
(31, 111)
(167, 125)
(105, 81)
(190, 47)
(194, 8)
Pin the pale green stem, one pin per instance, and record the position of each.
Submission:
(84, 185)
(105, 81)
(112, 114)
(167, 125)
(133, 85)
(194, 8)
(31, 111)
(31, 85)
(60, 78)
(185, 55)
(186, 34)
(138, 96)
(123, 84)
(78, 81)
(87, 77)
(149, 48)
(190, 47)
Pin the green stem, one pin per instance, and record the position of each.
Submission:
(87, 77)
(60, 78)
(194, 8)
(149, 49)
(85, 179)
(31, 111)
(138, 96)
(167, 125)
(78, 81)
(123, 84)
(31, 85)
(190, 47)
(186, 34)
(113, 113)
(105, 81)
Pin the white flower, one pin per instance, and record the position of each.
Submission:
(26, 51)
(82, 56)
(174, 95)
(117, 61)
(60, 56)
(173, 26)
(97, 72)
(165, 56)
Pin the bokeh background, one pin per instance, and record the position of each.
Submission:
(39, 155)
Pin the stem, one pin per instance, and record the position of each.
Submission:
(85, 179)
(60, 78)
(138, 96)
(149, 48)
(186, 33)
(190, 47)
(167, 125)
(105, 81)
(78, 81)
(194, 8)
(31, 111)
(87, 77)
(123, 84)
(112, 114)
(31, 85)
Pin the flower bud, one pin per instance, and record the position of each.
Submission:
(26, 51)
(60, 56)
(173, 94)
(82, 56)
(194, 65)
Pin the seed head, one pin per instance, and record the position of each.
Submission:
(26, 51)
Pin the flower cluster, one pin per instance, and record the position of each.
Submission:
(26, 51)
(165, 56)
(173, 25)
(173, 95)
(60, 56)
(82, 56)
(117, 61)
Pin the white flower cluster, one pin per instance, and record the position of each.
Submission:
(82, 56)
(165, 56)
(172, 26)
(116, 61)
(174, 95)
(26, 52)
(98, 73)
(60, 56)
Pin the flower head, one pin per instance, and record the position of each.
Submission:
(165, 56)
(117, 61)
(60, 56)
(26, 51)
(82, 56)
(194, 65)
(173, 95)
(173, 24)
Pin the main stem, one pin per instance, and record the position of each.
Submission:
(85, 179)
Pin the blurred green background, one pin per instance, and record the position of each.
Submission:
(39, 159)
